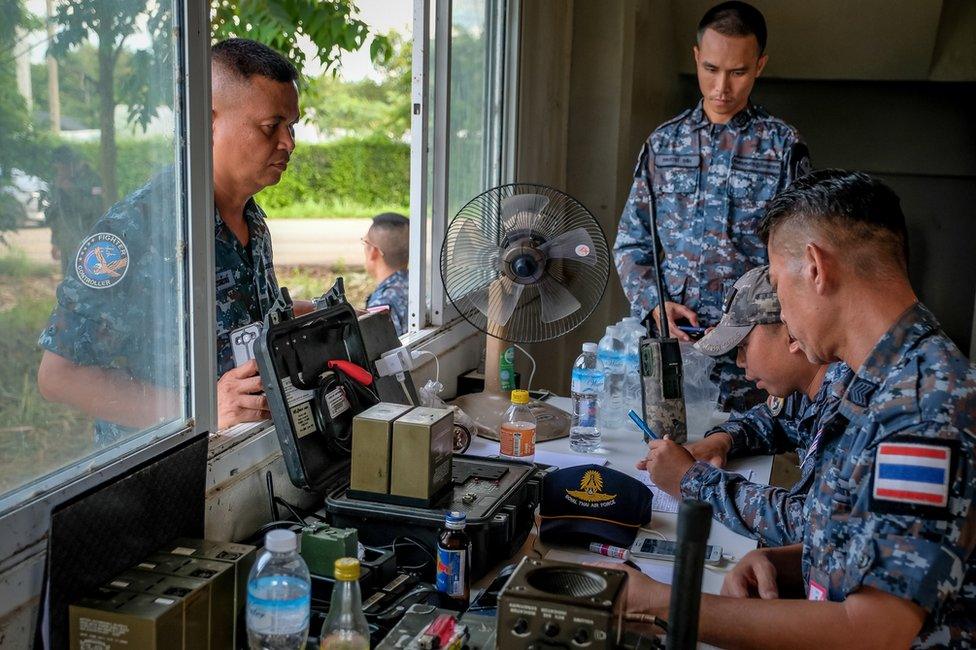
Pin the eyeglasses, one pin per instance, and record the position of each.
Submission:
(366, 242)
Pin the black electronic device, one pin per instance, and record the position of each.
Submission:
(547, 604)
(694, 524)
(498, 497)
(317, 375)
(662, 376)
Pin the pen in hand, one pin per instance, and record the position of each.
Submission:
(646, 430)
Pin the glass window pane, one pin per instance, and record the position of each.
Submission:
(472, 103)
(91, 216)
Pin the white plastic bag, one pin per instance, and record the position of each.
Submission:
(701, 393)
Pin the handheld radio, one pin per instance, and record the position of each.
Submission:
(662, 377)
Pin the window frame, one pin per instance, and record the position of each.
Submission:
(25, 511)
(430, 310)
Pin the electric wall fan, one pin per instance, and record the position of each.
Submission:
(523, 263)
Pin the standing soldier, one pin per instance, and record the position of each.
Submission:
(74, 203)
(707, 174)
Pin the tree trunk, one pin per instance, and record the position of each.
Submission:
(53, 92)
(106, 99)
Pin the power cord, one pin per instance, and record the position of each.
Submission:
(532, 359)
(437, 364)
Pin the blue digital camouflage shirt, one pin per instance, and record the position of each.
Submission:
(893, 505)
(710, 184)
(773, 515)
(121, 308)
(393, 292)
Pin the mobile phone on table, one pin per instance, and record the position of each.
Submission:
(658, 549)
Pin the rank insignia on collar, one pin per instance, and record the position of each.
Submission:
(775, 405)
(859, 392)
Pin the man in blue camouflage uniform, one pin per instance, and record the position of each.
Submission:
(887, 558)
(707, 175)
(112, 346)
(386, 249)
(802, 395)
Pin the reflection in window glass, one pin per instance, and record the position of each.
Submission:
(473, 103)
(91, 270)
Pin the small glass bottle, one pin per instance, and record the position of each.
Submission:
(454, 560)
(516, 437)
(345, 627)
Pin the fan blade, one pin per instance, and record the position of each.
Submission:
(497, 301)
(575, 245)
(557, 301)
(472, 248)
(521, 210)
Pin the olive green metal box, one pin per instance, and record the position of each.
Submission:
(423, 447)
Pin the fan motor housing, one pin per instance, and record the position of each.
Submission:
(523, 262)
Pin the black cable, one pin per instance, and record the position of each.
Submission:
(275, 515)
(294, 511)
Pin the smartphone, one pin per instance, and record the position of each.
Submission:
(694, 332)
(658, 549)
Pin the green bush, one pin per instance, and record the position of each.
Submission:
(369, 172)
(356, 175)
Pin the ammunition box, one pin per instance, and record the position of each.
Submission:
(195, 596)
(111, 619)
(423, 446)
(372, 437)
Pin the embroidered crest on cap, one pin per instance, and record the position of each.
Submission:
(912, 473)
(591, 489)
(102, 260)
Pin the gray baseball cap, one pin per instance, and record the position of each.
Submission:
(751, 301)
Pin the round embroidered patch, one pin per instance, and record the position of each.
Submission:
(775, 405)
(102, 260)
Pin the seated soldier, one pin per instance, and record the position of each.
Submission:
(386, 248)
(887, 559)
(801, 395)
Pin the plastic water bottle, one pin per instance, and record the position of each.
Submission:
(516, 435)
(586, 387)
(631, 331)
(610, 356)
(278, 595)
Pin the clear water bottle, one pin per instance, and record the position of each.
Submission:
(586, 387)
(345, 627)
(278, 595)
(631, 332)
(610, 356)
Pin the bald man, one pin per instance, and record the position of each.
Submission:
(99, 356)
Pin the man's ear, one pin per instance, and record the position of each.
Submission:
(695, 54)
(818, 269)
(795, 347)
(213, 119)
(761, 64)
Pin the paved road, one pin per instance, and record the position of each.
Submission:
(306, 242)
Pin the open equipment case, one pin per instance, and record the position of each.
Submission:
(317, 371)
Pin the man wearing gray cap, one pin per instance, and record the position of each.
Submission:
(802, 394)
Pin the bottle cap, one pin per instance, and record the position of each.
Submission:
(347, 569)
(520, 396)
(590, 347)
(455, 520)
(281, 541)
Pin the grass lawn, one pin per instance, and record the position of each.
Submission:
(36, 436)
(306, 282)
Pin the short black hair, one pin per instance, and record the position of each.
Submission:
(735, 18)
(851, 207)
(246, 58)
(390, 233)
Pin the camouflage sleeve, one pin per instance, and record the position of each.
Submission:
(632, 250)
(769, 514)
(915, 552)
(759, 432)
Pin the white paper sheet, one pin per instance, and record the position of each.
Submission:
(664, 502)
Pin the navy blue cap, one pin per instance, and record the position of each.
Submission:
(591, 503)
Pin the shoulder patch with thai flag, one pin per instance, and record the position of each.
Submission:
(909, 475)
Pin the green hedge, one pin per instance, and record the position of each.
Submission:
(372, 172)
(369, 172)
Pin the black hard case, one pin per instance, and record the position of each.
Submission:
(297, 349)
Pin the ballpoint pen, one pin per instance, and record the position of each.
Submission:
(647, 431)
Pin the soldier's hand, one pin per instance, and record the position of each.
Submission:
(675, 311)
(714, 449)
(753, 576)
(239, 396)
(666, 462)
(645, 595)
